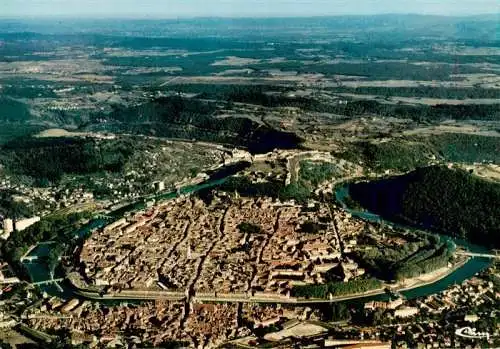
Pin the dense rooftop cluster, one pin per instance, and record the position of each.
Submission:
(230, 245)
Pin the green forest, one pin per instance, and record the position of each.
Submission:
(336, 289)
(317, 172)
(372, 70)
(423, 92)
(9, 207)
(12, 110)
(310, 175)
(424, 262)
(409, 153)
(448, 201)
(422, 253)
(420, 113)
(48, 159)
(468, 148)
(394, 155)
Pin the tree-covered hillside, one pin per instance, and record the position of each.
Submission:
(408, 153)
(176, 117)
(446, 200)
(47, 159)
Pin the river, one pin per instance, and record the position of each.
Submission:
(39, 271)
(469, 269)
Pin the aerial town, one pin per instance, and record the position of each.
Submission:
(245, 183)
(236, 245)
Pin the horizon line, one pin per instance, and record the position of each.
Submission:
(182, 17)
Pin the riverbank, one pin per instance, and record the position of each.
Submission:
(133, 294)
(430, 278)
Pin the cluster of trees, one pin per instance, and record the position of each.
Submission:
(395, 154)
(226, 171)
(55, 228)
(202, 64)
(336, 288)
(28, 92)
(410, 260)
(10, 131)
(194, 65)
(249, 228)
(268, 98)
(275, 96)
(178, 117)
(371, 70)
(12, 110)
(311, 227)
(53, 257)
(353, 204)
(48, 159)
(317, 172)
(244, 187)
(444, 111)
(336, 312)
(419, 113)
(423, 92)
(408, 154)
(424, 262)
(457, 147)
(13, 208)
(449, 201)
(299, 191)
(253, 94)
(5, 345)
(382, 260)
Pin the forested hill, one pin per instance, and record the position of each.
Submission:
(48, 159)
(176, 117)
(450, 201)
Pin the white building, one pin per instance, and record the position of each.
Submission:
(406, 312)
(471, 318)
(159, 186)
(8, 226)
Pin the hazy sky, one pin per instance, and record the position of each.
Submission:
(239, 8)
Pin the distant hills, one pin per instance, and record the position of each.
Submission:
(479, 27)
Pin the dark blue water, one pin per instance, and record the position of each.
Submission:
(42, 250)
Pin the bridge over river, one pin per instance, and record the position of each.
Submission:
(480, 255)
(47, 282)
